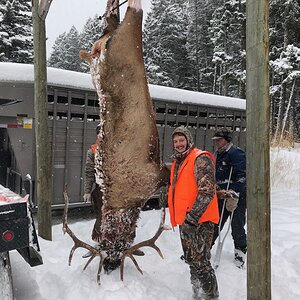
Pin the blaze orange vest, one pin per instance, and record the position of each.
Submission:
(186, 191)
(94, 148)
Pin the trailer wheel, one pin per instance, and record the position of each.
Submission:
(6, 284)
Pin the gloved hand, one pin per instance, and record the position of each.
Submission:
(223, 194)
(87, 198)
(232, 200)
(188, 230)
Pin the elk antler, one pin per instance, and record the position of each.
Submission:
(78, 243)
(150, 243)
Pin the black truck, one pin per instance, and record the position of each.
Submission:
(17, 232)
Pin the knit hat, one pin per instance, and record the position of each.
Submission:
(222, 133)
(181, 130)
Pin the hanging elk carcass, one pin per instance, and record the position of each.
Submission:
(127, 161)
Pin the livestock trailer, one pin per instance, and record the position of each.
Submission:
(73, 113)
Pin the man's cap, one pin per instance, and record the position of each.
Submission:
(222, 133)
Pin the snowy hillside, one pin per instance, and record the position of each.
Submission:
(168, 279)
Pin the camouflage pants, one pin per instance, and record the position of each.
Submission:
(97, 201)
(197, 255)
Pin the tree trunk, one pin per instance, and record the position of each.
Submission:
(258, 147)
(215, 79)
(287, 112)
(280, 111)
(292, 118)
(43, 147)
(197, 51)
(242, 89)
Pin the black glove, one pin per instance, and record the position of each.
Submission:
(188, 230)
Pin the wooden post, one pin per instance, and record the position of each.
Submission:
(43, 147)
(258, 147)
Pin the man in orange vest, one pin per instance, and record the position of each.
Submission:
(193, 205)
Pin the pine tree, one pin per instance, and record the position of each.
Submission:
(284, 66)
(227, 28)
(3, 34)
(287, 68)
(199, 45)
(152, 43)
(72, 60)
(164, 44)
(65, 53)
(173, 39)
(56, 59)
(16, 43)
(90, 33)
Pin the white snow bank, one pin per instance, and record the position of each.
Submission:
(23, 73)
(285, 168)
(166, 278)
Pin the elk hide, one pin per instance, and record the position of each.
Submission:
(127, 162)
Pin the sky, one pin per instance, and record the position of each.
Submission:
(63, 14)
(168, 278)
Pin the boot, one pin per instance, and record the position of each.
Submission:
(196, 289)
(239, 258)
(205, 297)
(198, 293)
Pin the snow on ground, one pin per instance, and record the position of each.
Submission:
(168, 279)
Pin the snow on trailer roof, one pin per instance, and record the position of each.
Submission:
(191, 97)
(23, 73)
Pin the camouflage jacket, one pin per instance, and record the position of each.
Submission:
(89, 182)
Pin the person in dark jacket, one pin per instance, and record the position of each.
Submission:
(92, 192)
(231, 174)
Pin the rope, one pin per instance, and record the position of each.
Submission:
(101, 17)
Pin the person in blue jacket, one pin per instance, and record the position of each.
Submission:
(231, 174)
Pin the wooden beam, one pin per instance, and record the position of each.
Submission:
(258, 151)
(43, 147)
